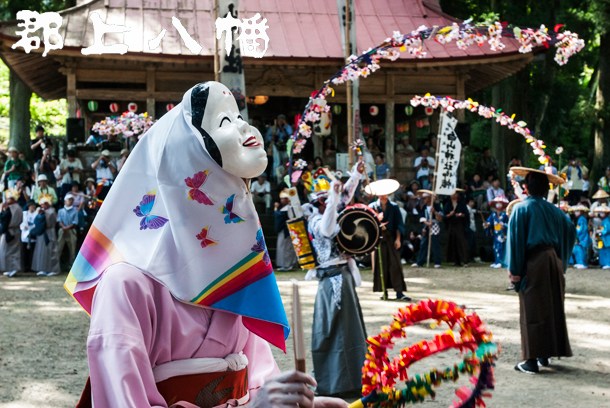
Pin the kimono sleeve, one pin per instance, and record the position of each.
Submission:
(516, 244)
(400, 223)
(568, 241)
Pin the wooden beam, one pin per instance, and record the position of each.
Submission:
(106, 75)
(71, 93)
(114, 94)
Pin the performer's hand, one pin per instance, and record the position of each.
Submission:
(287, 390)
(513, 278)
(329, 402)
(276, 206)
(360, 167)
(397, 244)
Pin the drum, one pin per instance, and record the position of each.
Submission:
(301, 242)
(360, 230)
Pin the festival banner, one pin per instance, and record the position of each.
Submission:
(448, 157)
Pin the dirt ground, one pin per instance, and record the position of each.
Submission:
(43, 360)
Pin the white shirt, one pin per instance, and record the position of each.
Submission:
(65, 163)
(27, 224)
(425, 171)
(255, 187)
(105, 173)
(472, 212)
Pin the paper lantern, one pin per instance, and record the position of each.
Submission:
(374, 110)
(399, 129)
(78, 113)
(114, 107)
(169, 107)
(258, 99)
(366, 130)
(429, 111)
(132, 107)
(92, 105)
(337, 109)
(409, 110)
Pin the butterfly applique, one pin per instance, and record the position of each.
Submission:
(195, 184)
(228, 209)
(203, 237)
(261, 247)
(144, 209)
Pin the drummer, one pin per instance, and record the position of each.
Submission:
(338, 333)
(392, 233)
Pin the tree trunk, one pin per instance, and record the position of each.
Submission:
(19, 114)
(602, 111)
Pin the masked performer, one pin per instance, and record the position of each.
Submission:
(10, 244)
(391, 240)
(540, 242)
(604, 236)
(176, 275)
(456, 220)
(45, 259)
(338, 333)
(285, 257)
(497, 224)
(583, 240)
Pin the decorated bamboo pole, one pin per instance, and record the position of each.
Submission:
(350, 130)
(438, 140)
(297, 329)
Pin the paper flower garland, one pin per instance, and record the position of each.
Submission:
(380, 374)
(128, 124)
(464, 35)
(503, 119)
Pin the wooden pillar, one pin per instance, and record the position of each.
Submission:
(390, 128)
(150, 88)
(413, 132)
(71, 92)
(461, 117)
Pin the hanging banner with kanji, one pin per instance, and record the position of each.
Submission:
(448, 156)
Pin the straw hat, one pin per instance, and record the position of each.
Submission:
(524, 171)
(459, 190)
(578, 207)
(382, 187)
(509, 207)
(600, 194)
(602, 208)
(423, 192)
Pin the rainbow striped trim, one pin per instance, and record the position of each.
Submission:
(96, 254)
(247, 271)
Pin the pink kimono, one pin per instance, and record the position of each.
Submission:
(136, 325)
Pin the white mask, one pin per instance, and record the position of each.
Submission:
(240, 148)
(577, 214)
(499, 206)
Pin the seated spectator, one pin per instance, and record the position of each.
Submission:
(28, 241)
(44, 188)
(494, 191)
(25, 193)
(372, 146)
(412, 199)
(574, 171)
(79, 199)
(67, 218)
(105, 170)
(405, 148)
(382, 169)
(317, 163)
(281, 129)
(604, 181)
(94, 139)
(90, 187)
(261, 192)
(477, 191)
(123, 159)
(14, 168)
(510, 195)
(488, 164)
(112, 143)
(433, 143)
(70, 170)
(424, 166)
(47, 166)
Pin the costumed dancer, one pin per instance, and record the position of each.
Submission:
(28, 240)
(392, 234)
(583, 240)
(45, 259)
(10, 244)
(286, 257)
(338, 338)
(176, 275)
(456, 220)
(539, 245)
(496, 225)
(601, 198)
(431, 229)
(604, 237)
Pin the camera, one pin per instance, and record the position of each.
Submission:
(71, 171)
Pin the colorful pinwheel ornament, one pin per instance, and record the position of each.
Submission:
(467, 333)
